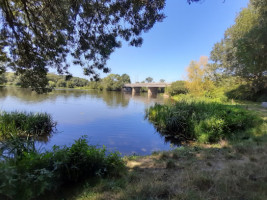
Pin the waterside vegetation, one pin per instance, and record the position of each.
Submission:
(234, 169)
(202, 121)
(227, 155)
(223, 171)
(31, 174)
(23, 124)
(231, 168)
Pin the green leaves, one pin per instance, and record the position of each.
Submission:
(36, 173)
(37, 35)
(205, 122)
(115, 82)
(242, 52)
(149, 79)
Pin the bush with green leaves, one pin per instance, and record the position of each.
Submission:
(244, 92)
(23, 124)
(32, 174)
(177, 87)
(202, 121)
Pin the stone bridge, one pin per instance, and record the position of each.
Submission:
(152, 87)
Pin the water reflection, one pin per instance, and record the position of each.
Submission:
(113, 99)
(113, 119)
(143, 98)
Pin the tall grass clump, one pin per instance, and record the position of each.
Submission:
(205, 122)
(22, 124)
(34, 173)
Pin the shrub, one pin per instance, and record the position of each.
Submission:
(177, 87)
(35, 173)
(245, 92)
(170, 164)
(70, 84)
(52, 84)
(205, 122)
(61, 83)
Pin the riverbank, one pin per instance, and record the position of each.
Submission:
(227, 170)
(222, 172)
(176, 174)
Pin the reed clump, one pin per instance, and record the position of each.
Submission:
(25, 124)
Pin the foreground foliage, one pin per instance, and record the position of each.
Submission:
(25, 124)
(221, 171)
(205, 122)
(31, 174)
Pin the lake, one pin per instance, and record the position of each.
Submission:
(114, 119)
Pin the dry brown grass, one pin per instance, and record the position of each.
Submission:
(236, 172)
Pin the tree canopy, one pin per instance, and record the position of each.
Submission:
(198, 76)
(243, 51)
(115, 82)
(149, 79)
(37, 35)
(177, 87)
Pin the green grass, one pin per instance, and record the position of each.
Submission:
(206, 122)
(25, 124)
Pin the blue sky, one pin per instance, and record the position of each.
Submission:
(188, 32)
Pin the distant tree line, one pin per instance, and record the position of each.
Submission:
(113, 82)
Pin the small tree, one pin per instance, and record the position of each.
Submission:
(52, 84)
(162, 80)
(125, 78)
(115, 81)
(198, 80)
(149, 79)
(177, 87)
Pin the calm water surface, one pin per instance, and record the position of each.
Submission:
(114, 119)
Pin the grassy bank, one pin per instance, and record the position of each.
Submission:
(228, 169)
(222, 171)
(206, 122)
(25, 124)
(225, 170)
